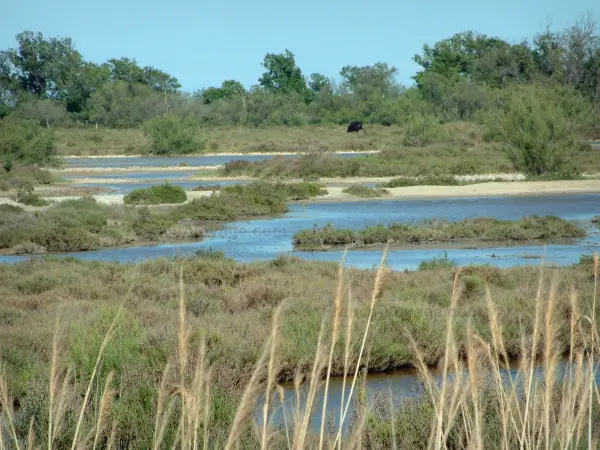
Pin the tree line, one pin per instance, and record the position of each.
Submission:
(550, 85)
(48, 80)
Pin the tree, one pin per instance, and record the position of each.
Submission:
(46, 112)
(42, 67)
(317, 82)
(121, 104)
(229, 89)
(477, 57)
(283, 76)
(128, 70)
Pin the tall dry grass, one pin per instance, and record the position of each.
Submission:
(531, 413)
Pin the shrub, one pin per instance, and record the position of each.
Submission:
(26, 142)
(360, 190)
(24, 178)
(154, 195)
(432, 180)
(540, 135)
(31, 199)
(171, 134)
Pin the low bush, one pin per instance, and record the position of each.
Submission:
(170, 135)
(360, 190)
(31, 199)
(26, 142)
(435, 230)
(431, 180)
(24, 178)
(154, 195)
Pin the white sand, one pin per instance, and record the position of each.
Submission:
(478, 190)
(410, 192)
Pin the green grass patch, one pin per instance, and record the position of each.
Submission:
(438, 263)
(254, 199)
(436, 230)
(154, 195)
(360, 190)
(229, 307)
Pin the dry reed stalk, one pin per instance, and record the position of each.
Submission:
(6, 407)
(375, 294)
(300, 433)
(272, 370)
(162, 416)
(246, 404)
(337, 318)
(529, 373)
(349, 323)
(105, 403)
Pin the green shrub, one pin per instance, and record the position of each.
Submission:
(24, 178)
(31, 199)
(171, 135)
(360, 190)
(431, 180)
(436, 230)
(154, 195)
(541, 130)
(26, 142)
(422, 130)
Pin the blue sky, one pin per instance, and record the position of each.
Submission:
(205, 42)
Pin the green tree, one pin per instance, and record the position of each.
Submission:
(317, 82)
(229, 89)
(46, 112)
(122, 105)
(128, 70)
(43, 67)
(282, 75)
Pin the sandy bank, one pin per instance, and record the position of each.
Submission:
(476, 190)
(106, 199)
(335, 194)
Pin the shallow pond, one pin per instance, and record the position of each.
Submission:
(157, 161)
(265, 239)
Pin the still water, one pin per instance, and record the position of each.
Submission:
(157, 161)
(265, 239)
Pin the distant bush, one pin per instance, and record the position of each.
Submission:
(360, 190)
(24, 178)
(254, 199)
(435, 230)
(172, 134)
(26, 142)
(541, 136)
(422, 130)
(154, 195)
(31, 199)
(432, 180)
